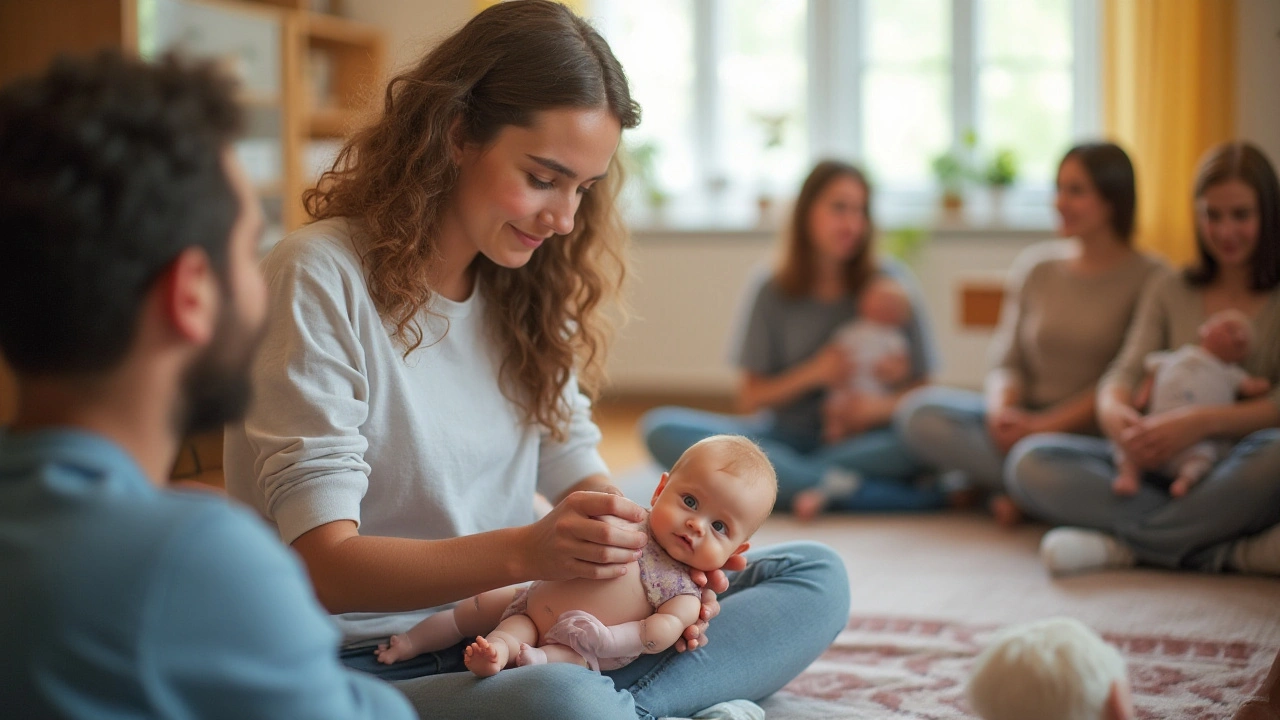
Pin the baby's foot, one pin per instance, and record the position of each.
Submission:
(485, 659)
(530, 655)
(808, 504)
(1126, 484)
(1180, 486)
(399, 649)
(1006, 511)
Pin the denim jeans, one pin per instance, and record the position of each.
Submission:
(947, 428)
(1066, 480)
(776, 618)
(887, 468)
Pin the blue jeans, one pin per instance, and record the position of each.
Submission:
(1066, 480)
(888, 469)
(776, 618)
(947, 428)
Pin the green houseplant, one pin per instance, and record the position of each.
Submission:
(1000, 173)
(953, 169)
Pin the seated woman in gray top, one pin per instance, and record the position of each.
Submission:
(790, 362)
(1067, 306)
(1067, 478)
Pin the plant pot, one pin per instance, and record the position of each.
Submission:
(952, 201)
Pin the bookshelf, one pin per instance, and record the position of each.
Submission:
(308, 77)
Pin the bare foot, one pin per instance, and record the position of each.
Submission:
(808, 504)
(1126, 484)
(1005, 510)
(485, 659)
(1180, 486)
(530, 655)
(399, 649)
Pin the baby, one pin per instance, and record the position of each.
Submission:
(1054, 669)
(716, 496)
(875, 336)
(1204, 374)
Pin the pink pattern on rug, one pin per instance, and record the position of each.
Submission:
(892, 667)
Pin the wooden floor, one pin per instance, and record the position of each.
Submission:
(619, 417)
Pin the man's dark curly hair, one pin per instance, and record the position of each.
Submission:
(109, 168)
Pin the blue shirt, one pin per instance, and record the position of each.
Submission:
(122, 600)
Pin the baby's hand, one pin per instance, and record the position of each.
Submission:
(892, 370)
(1254, 386)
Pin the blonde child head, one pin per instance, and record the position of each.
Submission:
(1054, 669)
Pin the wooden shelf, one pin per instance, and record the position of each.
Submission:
(331, 30)
(333, 122)
(258, 99)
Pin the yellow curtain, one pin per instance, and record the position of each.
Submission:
(1168, 96)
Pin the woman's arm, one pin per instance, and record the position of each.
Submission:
(1075, 414)
(830, 366)
(568, 543)
(1154, 440)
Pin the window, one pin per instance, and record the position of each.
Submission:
(741, 96)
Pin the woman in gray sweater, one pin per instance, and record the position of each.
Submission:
(1067, 478)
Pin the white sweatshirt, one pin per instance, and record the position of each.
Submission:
(343, 427)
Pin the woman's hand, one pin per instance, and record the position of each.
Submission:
(829, 367)
(893, 370)
(859, 413)
(1116, 418)
(1155, 439)
(1008, 425)
(712, 583)
(573, 541)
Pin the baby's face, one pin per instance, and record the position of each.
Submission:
(702, 515)
(885, 306)
(1226, 338)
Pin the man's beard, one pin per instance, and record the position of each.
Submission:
(216, 389)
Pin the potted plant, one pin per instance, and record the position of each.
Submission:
(952, 170)
(950, 173)
(1000, 173)
(644, 159)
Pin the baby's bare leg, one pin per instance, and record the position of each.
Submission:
(1199, 459)
(480, 614)
(1128, 478)
(489, 655)
(552, 653)
(472, 617)
(436, 632)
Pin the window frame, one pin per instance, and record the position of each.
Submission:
(835, 70)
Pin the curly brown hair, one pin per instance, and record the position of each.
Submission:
(795, 275)
(510, 62)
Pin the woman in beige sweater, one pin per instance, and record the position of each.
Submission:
(1067, 307)
(1067, 478)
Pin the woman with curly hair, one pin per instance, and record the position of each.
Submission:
(430, 340)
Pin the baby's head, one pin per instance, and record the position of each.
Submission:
(1227, 335)
(714, 499)
(884, 301)
(1054, 669)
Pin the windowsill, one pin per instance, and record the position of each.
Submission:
(970, 222)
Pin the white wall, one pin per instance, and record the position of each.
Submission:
(687, 289)
(1257, 73)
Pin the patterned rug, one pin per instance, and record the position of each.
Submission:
(882, 667)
